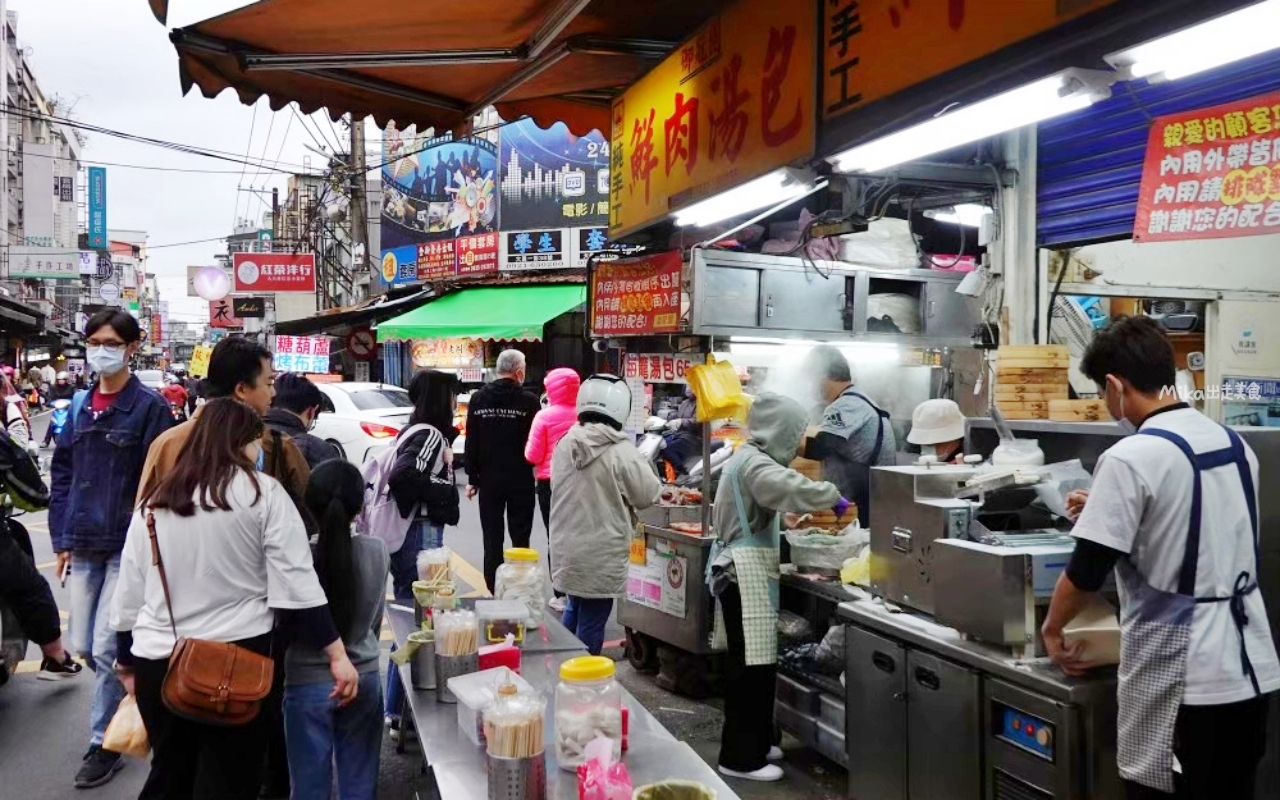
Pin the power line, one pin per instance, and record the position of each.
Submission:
(95, 163)
(253, 121)
(149, 247)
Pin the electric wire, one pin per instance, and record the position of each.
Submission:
(253, 121)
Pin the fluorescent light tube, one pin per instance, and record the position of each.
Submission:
(767, 190)
(1026, 105)
(1222, 40)
(968, 214)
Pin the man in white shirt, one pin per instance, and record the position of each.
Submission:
(1174, 510)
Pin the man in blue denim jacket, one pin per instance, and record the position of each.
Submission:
(96, 468)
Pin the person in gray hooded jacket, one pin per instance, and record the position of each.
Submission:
(598, 478)
(755, 488)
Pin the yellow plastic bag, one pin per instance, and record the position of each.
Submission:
(718, 391)
(857, 570)
(125, 733)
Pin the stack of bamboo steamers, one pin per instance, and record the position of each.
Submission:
(1032, 383)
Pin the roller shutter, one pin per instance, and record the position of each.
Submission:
(1090, 162)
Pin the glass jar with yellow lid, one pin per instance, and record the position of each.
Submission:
(519, 578)
(588, 704)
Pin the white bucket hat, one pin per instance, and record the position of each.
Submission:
(935, 422)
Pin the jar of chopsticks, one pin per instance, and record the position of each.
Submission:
(456, 650)
(515, 758)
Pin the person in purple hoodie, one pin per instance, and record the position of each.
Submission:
(549, 425)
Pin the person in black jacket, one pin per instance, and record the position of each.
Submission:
(499, 417)
(293, 412)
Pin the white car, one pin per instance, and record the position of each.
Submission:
(361, 418)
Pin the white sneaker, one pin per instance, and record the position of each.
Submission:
(556, 604)
(767, 773)
(775, 753)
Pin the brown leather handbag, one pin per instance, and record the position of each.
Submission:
(217, 683)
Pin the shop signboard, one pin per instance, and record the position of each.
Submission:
(1250, 401)
(864, 41)
(302, 354)
(476, 255)
(249, 307)
(657, 367)
(730, 104)
(199, 366)
(399, 265)
(1212, 173)
(274, 272)
(436, 187)
(436, 260)
(43, 263)
(636, 296)
(88, 262)
(448, 353)
(524, 250)
(552, 178)
(97, 208)
(222, 314)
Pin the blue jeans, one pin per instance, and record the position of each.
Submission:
(93, 586)
(321, 736)
(585, 617)
(404, 571)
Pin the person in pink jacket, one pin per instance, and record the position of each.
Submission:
(549, 425)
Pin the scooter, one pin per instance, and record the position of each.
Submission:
(58, 419)
(650, 444)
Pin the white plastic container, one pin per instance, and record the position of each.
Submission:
(497, 618)
(474, 692)
(520, 578)
(1018, 453)
(588, 704)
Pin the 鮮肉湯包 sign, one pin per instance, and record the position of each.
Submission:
(1212, 173)
(730, 104)
(636, 296)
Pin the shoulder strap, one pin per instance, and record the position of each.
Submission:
(881, 416)
(77, 403)
(159, 565)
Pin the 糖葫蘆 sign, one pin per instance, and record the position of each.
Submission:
(1212, 173)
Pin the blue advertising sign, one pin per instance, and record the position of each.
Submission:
(97, 207)
(399, 265)
(436, 188)
(552, 178)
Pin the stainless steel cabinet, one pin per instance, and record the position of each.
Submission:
(944, 737)
(805, 300)
(876, 716)
(913, 723)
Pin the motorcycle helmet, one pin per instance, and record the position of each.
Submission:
(606, 398)
(63, 376)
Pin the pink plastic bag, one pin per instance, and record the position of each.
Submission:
(600, 777)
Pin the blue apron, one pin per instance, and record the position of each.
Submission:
(1156, 631)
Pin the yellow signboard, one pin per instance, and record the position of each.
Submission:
(199, 365)
(874, 48)
(732, 103)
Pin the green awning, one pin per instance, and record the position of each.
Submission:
(498, 312)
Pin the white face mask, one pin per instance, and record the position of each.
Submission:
(1126, 427)
(106, 361)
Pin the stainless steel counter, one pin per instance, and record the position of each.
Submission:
(458, 766)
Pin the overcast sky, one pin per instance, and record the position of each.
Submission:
(114, 62)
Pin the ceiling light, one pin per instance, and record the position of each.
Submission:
(1222, 40)
(967, 214)
(1050, 97)
(776, 187)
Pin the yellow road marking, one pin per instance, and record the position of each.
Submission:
(26, 666)
(47, 564)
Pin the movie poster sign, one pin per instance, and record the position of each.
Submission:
(552, 178)
(636, 296)
(1212, 173)
(436, 188)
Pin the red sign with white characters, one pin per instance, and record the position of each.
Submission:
(274, 272)
(436, 260)
(636, 296)
(1212, 173)
(478, 254)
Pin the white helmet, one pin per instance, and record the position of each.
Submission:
(607, 395)
(62, 376)
(936, 422)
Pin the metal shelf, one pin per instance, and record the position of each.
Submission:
(1050, 426)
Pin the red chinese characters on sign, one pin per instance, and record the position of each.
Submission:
(729, 126)
(1212, 173)
(642, 158)
(777, 62)
(681, 130)
(274, 272)
(436, 260)
(705, 48)
(657, 367)
(636, 296)
(477, 255)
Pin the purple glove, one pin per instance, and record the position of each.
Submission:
(841, 506)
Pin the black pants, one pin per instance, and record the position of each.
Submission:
(191, 760)
(25, 591)
(1219, 748)
(516, 504)
(275, 774)
(544, 505)
(748, 699)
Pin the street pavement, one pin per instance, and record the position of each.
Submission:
(44, 725)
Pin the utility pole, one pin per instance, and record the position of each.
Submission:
(4, 125)
(359, 202)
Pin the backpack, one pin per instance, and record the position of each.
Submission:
(380, 517)
(20, 476)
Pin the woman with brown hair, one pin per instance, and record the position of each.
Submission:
(235, 552)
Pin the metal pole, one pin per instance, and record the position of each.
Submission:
(359, 204)
(4, 124)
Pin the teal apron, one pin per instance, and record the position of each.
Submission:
(755, 563)
(1156, 631)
